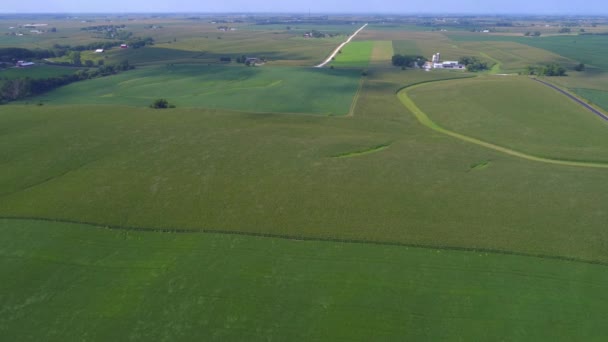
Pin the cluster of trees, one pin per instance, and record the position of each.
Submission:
(546, 70)
(12, 55)
(161, 104)
(532, 34)
(473, 64)
(564, 30)
(319, 34)
(19, 88)
(408, 61)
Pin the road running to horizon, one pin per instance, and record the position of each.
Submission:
(333, 54)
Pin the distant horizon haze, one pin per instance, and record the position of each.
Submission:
(517, 7)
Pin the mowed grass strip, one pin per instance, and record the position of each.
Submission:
(73, 282)
(515, 112)
(254, 89)
(355, 54)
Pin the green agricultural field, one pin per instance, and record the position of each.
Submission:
(286, 174)
(299, 203)
(355, 54)
(518, 113)
(588, 49)
(75, 282)
(598, 97)
(258, 89)
(405, 47)
(36, 71)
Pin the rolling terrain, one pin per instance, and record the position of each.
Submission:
(285, 202)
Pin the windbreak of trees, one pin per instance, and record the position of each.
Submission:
(20, 88)
(408, 61)
(546, 70)
(12, 55)
(473, 64)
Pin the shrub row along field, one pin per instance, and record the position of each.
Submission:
(102, 285)
(258, 89)
(519, 113)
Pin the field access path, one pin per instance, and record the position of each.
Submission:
(333, 54)
(424, 119)
(574, 98)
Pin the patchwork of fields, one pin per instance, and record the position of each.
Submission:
(258, 89)
(231, 218)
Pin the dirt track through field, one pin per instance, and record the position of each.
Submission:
(333, 54)
(424, 119)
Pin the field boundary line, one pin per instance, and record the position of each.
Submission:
(335, 52)
(574, 98)
(353, 104)
(169, 230)
(425, 120)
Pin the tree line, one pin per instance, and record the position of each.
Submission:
(547, 70)
(408, 61)
(20, 88)
(473, 64)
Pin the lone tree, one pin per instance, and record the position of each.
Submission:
(161, 104)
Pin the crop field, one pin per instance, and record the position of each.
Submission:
(405, 47)
(519, 113)
(356, 54)
(117, 285)
(259, 89)
(37, 71)
(286, 202)
(588, 49)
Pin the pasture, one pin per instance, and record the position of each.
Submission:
(258, 89)
(75, 282)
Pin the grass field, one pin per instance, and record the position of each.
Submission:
(258, 89)
(541, 121)
(77, 282)
(355, 54)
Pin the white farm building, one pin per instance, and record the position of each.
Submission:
(436, 63)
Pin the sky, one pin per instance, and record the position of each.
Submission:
(595, 7)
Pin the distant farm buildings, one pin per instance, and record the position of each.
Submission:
(436, 63)
(124, 46)
(24, 64)
(99, 51)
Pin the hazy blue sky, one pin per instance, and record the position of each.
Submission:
(315, 6)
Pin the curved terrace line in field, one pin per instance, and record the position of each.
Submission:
(333, 54)
(370, 150)
(424, 119)
(307, 238)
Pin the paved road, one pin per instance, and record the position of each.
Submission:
(576, 99)
(333, 54)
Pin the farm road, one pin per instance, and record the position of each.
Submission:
(333, 54)
(576, 99)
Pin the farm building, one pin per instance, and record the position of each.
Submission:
(436, 63)
(253, 61)
(124, 46)
(24, 64)
(99, 51)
